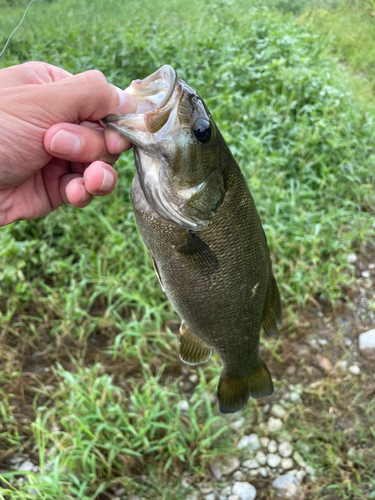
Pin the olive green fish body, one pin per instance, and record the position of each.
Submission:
(209, 252)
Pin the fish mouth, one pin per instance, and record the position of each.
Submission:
(156, 96)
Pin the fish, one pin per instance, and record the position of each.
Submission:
(198, 220)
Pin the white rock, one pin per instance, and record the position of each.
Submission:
(194, 378)
(287, 463)
(245, 491)
(28, 466)
(274, 424)
(238, 475)
(251, 464)
(273, 460)
(371, 266)
(210, 496)
(285, 449)
(263, 472)
(183, 405)
(233, 497)
(238, 424)
(352, 452)
(300, 475)
(264, 441)
(223, 497)
(184, 484)
(266, 409)
(365, 274)
(299, 459)
(352, 258)
(261, 457)
(286, 486)
(278, 411)
(355, 369)
(294, 397)
(254, 442)
(272, 446)
(367, 343)
(244, 442)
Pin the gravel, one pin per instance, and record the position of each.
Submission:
(286, 486)
(272, 446)
(261, 457)
(367, 344)
(299, 459)
(287, 463)
(252, 463)
(278, 411)
(238, 424)
(274, 424)
(355, 370)
(273, 460)
(285, 449)
(244, 491)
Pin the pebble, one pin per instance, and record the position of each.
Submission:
(238, 424)
(223, 497)
(183, 405)
(244, 491)
(273, 460)
(367, 344)
(264, 441)
(352, 258)
(285, 449)
(263, 472)
(27, 466)
(261, 457)
(294, 397)
(266, 409)
(287, 463)
(272, 446)
(274, 424)
(371, 266)
(278, 411)
(355, 369)
(210, 496)
(251, 464)
(230, 465)
(297, 457)
(194, 378)
(286, 486)
(300, 475)
(238, 475)
(365, 274)
(233, 497)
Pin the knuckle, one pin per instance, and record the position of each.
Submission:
(96, 78)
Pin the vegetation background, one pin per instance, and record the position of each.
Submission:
(90, 381)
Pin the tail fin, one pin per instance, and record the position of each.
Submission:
(233, 393)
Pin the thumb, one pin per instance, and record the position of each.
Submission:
(86, 96)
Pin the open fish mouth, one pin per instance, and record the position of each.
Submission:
(156, 97)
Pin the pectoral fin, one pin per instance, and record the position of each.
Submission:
(272, 311)
(233, 393)
(198, 254)
(192, 349)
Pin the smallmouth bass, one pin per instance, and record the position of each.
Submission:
(198, 220)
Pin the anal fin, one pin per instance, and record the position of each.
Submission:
(233, 393)
(192, 349)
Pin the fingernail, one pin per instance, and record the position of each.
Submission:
(107, 181)
(85, 195)
(127, 103)
(65, 143)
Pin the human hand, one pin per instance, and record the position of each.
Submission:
(52, 149)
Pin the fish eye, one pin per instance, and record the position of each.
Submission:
(202, 131)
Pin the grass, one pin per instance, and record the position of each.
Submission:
(90, 379)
